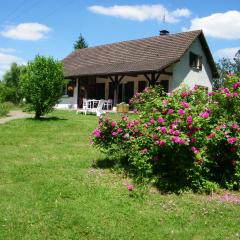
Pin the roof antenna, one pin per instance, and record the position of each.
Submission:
(164, 32)
(164, 16)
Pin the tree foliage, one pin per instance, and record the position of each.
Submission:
(42, 84)
(11, 79)
(227, 67)
(80, 43)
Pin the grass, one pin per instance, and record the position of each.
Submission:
(49, 189)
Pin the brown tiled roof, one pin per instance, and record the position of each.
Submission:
(135, 56)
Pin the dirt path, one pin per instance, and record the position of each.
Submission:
(16, 114)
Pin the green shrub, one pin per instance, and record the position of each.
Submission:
(4, 109)
(42, 84)
(188, 139)
(6, 93)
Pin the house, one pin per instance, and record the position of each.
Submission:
(117, 71)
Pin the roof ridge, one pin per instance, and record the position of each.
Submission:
(136, 40)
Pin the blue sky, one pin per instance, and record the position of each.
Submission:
(30, 27)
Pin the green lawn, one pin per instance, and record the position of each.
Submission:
(49, 189)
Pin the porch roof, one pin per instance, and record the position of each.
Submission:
(136, 56)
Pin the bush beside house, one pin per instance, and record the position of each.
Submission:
(42, 84)
(188, 139)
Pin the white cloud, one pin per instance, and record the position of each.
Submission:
(227, 52)
(26, 31)
(7, 50)
(220, 25)
(6, 60)
(142, 12)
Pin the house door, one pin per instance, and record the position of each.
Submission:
(129, 91)
(141, 85)
(100, 91)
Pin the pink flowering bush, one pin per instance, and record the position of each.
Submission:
(182, 140)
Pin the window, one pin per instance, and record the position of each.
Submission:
(68, 88)
(164, 84)
(195, 61)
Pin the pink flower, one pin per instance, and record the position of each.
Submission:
(183, 94)
(193, 140)
(235, 94)
(228, 95)
(170, 111)
(171, 132)
(211, 135)
(138, 94)
(189, 120)
(195, 150)
(210, 94)
(144, 151)
(113, 124)
(154, 110)
(181, 112)
(152, 121)
(184, 104)
(181, 141)
(97, 133)
(114, 134)
(162, 142)
(136, 130)
(154, 137)
(146, 90)
(223, 126)
(131, 101)
(235, 85)
(164, 129)
(119, 130)
(135, 110)
(226, 90)
(234, 126)
(232, 140)
(147, 124)
(175, 139)
(204, 115)
(160, 120)
(130, 188)
(126, 135)
(177, 133)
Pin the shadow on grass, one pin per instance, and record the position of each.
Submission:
(104, 163)
(48, 119)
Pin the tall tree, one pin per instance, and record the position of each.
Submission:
(237, 61)
(225, 67)
(80, 43)
(12, 80)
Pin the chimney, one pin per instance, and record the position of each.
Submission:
(164, 32)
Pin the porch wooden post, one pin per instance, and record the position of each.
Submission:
(153, 79)
(116, 88)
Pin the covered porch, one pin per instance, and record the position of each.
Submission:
(118, 87)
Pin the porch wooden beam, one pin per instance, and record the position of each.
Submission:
(158, 75)
(166, 73)
(147, 77)
(121, 78)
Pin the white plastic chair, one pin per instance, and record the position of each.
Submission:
(108, 104)
(98, 110)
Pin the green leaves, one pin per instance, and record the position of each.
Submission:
(42, 84)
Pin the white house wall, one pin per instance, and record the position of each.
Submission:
(183, 74)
